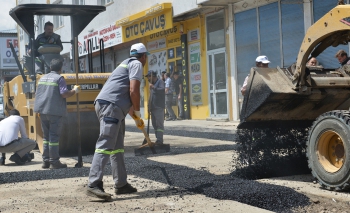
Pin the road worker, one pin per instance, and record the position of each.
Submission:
(50, 104)
(157, 104)
(119, 96)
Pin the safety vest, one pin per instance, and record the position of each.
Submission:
(48, 99)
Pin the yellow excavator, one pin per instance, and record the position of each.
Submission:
(317, 98)
(19, 93)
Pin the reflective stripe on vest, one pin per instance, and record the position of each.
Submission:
(48, 83)
(53, 144)
(102, 151)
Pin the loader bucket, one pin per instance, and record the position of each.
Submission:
(270, 101)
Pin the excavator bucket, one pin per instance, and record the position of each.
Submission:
(270, 100)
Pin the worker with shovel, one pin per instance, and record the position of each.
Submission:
(157, 104)
(119, 96)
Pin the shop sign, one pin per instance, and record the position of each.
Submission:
(157, 44)
(174, 41)
(110, 34)
(193, 35)
(145, 23)
(163, 33)
(185, 85)
(7, 58)
(196, 74)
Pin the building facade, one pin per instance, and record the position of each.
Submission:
(212, 43)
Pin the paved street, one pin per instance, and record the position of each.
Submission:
(195, 176)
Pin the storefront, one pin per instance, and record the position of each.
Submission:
(178, 46)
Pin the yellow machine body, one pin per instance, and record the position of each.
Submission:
(91, 84)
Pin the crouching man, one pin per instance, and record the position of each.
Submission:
(10, 142)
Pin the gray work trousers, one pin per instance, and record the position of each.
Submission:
(52, 127)
(109, 145)
(180, 104)
(20, 146)
(169, 105)
(157, 115)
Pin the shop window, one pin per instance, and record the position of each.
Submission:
(215, 31)
(292, 19)
(178, 52)
(270, 33)
(157, 61)
(178, 66)
(246, 42)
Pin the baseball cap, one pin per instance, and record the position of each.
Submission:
(263, 59)
(138, 48)
(151, 73)
(163, 71)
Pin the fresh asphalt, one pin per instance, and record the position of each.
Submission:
(199, 162)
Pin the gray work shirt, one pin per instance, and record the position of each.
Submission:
(117, 87)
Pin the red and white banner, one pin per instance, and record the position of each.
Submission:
(7, 58)
(110, 34)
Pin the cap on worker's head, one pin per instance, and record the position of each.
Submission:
(164, 71)
(263, 59)
(138, 48)
(151, 73)
(176, 73)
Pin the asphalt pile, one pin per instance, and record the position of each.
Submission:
(264, 153)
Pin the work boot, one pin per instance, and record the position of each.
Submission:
(45, 165)
(2, 161)
(28, 157)
(58, 165)
(17, 159)
(98, 192)
(159, 142)
(126, 189)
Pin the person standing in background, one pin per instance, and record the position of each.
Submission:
(169, 97)
(157, 104)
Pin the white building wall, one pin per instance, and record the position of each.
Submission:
(114, 11)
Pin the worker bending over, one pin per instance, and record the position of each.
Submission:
(119, 96)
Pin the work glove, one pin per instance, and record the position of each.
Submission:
(138, 120)
(76, 88)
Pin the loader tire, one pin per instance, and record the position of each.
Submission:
(328, 150)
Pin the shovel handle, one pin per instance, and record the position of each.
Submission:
(149, 142)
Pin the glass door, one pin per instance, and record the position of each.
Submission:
(217, 83)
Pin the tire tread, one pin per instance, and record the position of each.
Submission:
(344, 116)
